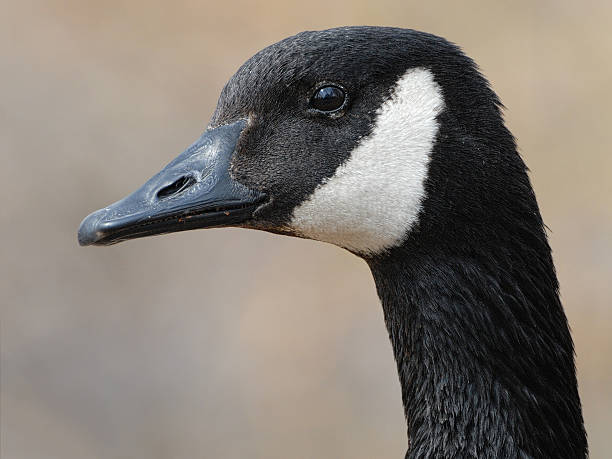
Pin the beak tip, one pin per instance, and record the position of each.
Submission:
(89, 230)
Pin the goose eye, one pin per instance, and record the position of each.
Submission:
(328, 99)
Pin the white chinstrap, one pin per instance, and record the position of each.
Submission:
(374, 198)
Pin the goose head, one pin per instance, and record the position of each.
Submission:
(390, 143)
(326, 135)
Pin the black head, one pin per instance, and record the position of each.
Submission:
(389, 143)
(359, 136)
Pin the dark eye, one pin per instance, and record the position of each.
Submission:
(328, 99)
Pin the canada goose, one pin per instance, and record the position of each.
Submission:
(390, 143)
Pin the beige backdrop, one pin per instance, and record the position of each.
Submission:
(229, 343)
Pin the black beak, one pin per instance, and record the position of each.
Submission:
(193, 191)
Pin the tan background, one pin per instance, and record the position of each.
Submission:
(229, 343)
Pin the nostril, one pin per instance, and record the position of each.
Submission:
(176, 187)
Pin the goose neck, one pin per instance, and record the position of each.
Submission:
(484, 357)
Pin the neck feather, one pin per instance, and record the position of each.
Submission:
(484, 353)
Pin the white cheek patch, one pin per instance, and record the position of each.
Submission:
(374, 198)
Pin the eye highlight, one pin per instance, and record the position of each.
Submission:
(328, 99)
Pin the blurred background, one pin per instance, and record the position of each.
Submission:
(230, 343)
